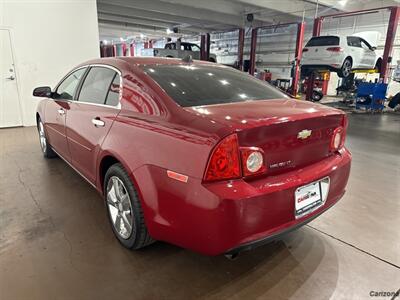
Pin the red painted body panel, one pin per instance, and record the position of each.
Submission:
(151, 134)
(55, 125)
(84, 139)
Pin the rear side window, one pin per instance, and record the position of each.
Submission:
(97, 84)
(323, 41)
(194, 85)
(66, 90)
(353, 41)
(113, 92)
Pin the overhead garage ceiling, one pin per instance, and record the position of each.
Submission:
(151, 18)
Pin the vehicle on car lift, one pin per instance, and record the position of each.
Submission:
(173, 50)
(340, 54)
(194, 153)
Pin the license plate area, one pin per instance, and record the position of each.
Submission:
(310, 197)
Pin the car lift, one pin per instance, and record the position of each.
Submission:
(298, 52)
(205, 42)
(240, 49)
(390, 36)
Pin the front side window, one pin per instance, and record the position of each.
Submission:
(66, 89)
(365, 45)
(96, 86)
(353, 41)
(194, 85)
(195, 48)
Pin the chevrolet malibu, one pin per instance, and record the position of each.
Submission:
(194, 153)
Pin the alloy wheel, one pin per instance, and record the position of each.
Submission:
(346, 68)
(119, 207)
(42, 137)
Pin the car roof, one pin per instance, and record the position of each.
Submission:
(143, 61)
(325, 36)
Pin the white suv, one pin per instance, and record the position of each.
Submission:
(340, 54)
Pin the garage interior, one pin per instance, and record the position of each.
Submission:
(55, 238)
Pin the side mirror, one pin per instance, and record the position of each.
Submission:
(43, 91)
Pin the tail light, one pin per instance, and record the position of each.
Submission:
(305, 49)
(224, 162)
(335, 49)
(228, 161)
(339, 135)
(252, 161)
(338, 138)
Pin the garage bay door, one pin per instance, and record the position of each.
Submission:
(10, 110)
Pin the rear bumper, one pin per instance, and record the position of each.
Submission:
(320, 67)
(331, 63)
(276, 235)
(225, 217)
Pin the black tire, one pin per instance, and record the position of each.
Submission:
(211, 59)
(345, 70)
(378, 66)
(316, 96)
(44, 144)
(139, 236)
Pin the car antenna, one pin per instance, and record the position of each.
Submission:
(188, 59)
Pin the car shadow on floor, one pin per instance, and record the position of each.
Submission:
(287, 263)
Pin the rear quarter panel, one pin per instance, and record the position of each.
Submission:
(147, 140)
(148, 147)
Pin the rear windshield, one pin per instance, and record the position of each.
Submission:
(323, 41)
(194, 85)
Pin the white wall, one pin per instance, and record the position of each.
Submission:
(49, 38)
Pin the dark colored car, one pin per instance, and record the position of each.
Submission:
(194, 153)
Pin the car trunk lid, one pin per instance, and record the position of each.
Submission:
(291, 133)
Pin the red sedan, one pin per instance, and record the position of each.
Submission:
(194, 153)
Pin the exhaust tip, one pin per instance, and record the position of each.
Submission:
(232, 256)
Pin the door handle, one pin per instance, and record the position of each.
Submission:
(61, 111)
(10, 78)
(97, 122)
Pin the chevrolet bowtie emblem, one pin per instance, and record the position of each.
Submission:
(304, 134)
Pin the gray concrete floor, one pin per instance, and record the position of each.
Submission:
(56, 243)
